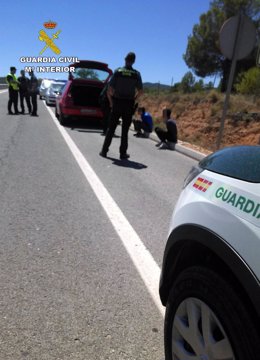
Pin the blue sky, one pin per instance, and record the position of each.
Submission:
(156, 30)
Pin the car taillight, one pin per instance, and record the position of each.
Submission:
(68, 99)
(195, 171)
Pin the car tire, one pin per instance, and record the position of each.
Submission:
(62, 119)
(56, 113)
(204, 312)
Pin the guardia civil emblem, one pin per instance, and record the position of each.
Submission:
(49, 41)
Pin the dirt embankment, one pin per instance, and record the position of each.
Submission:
(199, 116)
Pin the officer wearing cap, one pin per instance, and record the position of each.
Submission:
(13, 85)
(124, 88)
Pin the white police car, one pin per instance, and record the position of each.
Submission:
(211, 268)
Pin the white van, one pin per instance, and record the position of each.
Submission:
(45, 84)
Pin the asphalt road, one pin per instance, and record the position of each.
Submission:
(69, 287)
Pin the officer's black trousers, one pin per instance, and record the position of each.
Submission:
(34, 103)
(124, 109)
(26, 96)
(13, 99)
(106, 116)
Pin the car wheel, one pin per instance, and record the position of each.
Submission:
(62, 120)
(56, 113)
(205, 319)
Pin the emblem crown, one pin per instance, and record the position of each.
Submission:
(50, 24)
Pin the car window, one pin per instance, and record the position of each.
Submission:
(62, 89)
(57, 86)
(45, 84)
(240, 162)
(90, 74)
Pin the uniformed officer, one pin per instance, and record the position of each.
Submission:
(33, 89)
(124, 88)
(105, 107)
(24, 91)
(13, 86)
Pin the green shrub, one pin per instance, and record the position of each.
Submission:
(249, 82)
(214, 96)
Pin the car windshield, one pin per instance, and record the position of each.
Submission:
(57, 86)
(240, 162)
(90, 74)
(46, 84)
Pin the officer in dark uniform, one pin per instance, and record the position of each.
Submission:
(33, 89)
(105, 107)
(124, 88)
(24, 91)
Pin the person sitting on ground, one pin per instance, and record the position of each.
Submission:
(168, 138)
(144, 125)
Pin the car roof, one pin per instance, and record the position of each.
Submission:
(59, 82)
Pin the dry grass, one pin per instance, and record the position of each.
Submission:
(198, 117)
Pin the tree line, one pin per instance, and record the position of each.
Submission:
(203, 55)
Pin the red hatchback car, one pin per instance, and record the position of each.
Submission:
(80, 96)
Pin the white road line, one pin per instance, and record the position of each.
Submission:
(3, 91)
(139, 254)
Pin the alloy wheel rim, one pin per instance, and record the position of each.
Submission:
(197, 333)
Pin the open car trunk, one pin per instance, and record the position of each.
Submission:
(86, 95)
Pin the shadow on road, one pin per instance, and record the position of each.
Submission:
(127, 163)
(92, 126)
(84, 125)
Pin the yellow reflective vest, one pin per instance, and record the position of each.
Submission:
(14, 83)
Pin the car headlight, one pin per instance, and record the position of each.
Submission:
(195, 171)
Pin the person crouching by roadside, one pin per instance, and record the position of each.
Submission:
(144, 125)
(168, 138)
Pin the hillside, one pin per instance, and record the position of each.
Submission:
(155, 87)
(198, 117)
